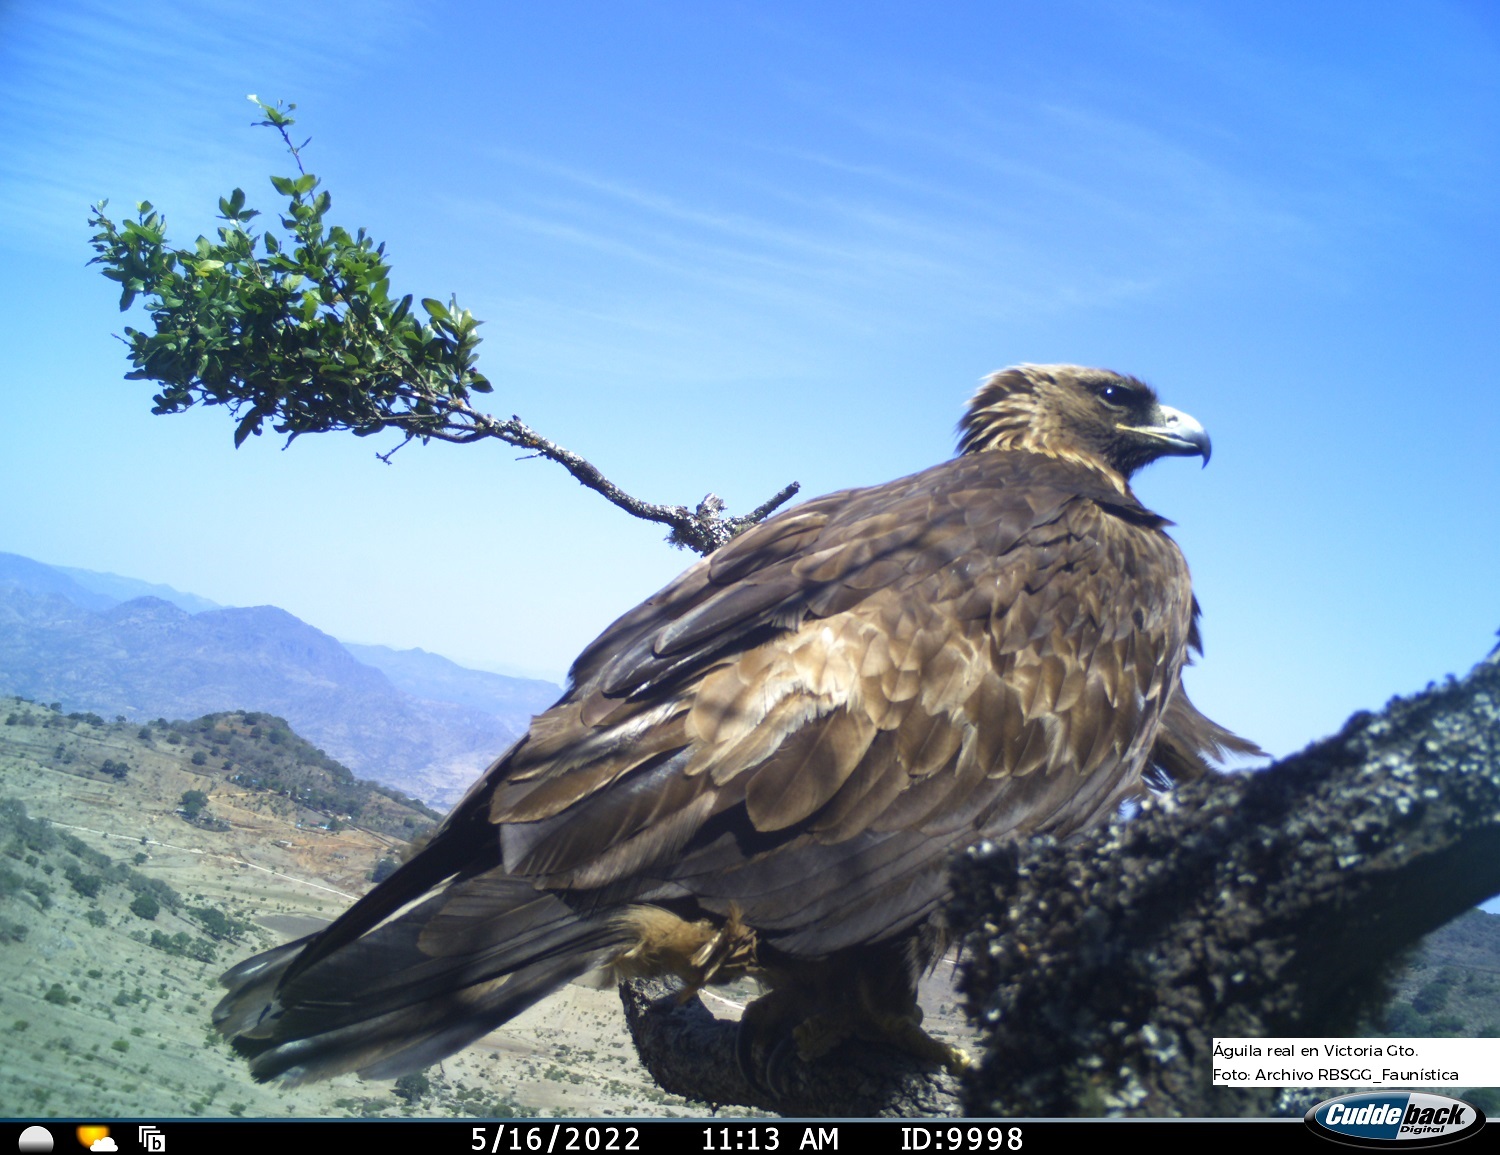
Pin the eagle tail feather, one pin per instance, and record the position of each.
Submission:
(414, 989)
(1189, 745)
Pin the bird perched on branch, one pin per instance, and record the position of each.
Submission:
(765, 767)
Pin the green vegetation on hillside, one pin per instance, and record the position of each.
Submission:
(1451, 986)
(37, 852)
(256, 751)
(117, 917)
(262, 752)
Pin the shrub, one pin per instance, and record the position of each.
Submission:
(384, 868)
(1431, 997)
(183, 946)
(217, 923)
(193, 802)
(145, 906)
(164, 892)
(85, 884)
(42, 892)
(413, 1087)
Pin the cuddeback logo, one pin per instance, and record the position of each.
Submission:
(1395, 1118)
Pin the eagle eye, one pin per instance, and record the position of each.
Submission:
(1113, 394)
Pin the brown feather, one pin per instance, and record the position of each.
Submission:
(808, 770)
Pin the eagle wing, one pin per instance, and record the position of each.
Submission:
(807, 724)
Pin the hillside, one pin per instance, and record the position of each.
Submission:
(104, 1011)
(428, 675)
(123, 589)
(1451, 986)
(427, 728)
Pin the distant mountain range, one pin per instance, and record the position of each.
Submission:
(118, 646)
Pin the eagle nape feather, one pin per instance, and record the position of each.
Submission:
(765, 768)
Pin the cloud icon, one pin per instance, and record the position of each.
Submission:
(105, 1144)
(36, 1139)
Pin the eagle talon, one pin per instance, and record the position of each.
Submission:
(781, 1065)
(771, 1075)
(958, 1060)
(744, 1056)
(767, 1043)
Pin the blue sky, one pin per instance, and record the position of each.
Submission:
(723, 246)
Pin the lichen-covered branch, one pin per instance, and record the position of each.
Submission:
(1261, 904)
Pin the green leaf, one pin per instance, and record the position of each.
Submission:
(435, 309)
(249, 424)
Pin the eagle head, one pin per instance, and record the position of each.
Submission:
(1094, 416)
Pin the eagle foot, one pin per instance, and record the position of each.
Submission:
(818, 1035)
(765, 1044)
(777, 1033)
(906, 1035)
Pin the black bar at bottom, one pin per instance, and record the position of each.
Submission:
(634, 1137)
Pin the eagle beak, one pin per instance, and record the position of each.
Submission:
(1173, 433)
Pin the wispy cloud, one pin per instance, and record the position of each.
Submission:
(825, 245)
(97, 101)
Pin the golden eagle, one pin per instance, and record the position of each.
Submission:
(765, 767)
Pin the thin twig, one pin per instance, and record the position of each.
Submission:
(703, 530)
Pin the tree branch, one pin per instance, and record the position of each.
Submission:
(1266, 904)
(689, 1052)
(703, 530)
